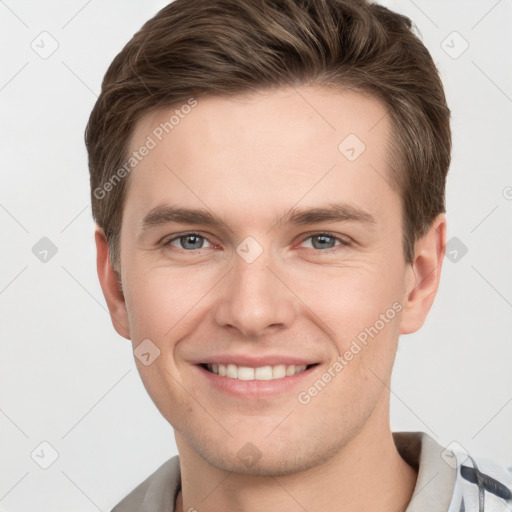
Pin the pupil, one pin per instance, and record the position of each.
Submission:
(191, 242)
(324, 241)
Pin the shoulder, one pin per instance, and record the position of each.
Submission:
(481, 484)
(452, 480)
(156, 493)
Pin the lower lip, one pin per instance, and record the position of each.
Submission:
(256, 388)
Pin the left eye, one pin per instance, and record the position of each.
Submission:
(323, 241)
(189, 241)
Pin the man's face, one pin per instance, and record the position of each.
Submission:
(267, 285)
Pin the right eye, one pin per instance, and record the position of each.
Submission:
(187, 242)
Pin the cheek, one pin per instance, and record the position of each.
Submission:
(162, 301)
(348, 299)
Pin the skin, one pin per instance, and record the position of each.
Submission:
(249, 160)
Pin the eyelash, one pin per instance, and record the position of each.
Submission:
(343, 243)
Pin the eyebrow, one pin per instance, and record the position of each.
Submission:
(165, 214)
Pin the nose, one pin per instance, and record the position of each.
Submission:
(255, 299)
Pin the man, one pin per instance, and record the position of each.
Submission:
(268, 182)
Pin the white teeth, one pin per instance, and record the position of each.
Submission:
(279, 371)
(232, 371)
(245, 373)
(263, 373)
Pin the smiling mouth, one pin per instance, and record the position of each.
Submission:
(278, 371)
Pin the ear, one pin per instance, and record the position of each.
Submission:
(110, 285)
(423, 275)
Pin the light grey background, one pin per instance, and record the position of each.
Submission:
(69, 380)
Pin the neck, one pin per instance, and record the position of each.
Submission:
(365, 475)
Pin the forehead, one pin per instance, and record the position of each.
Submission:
(251, 152)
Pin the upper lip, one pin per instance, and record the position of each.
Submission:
(256, 361)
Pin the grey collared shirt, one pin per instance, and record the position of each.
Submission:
(447, 481)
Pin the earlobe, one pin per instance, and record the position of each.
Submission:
(423, 276)
(110, 285)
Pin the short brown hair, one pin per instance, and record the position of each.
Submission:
(197, 48)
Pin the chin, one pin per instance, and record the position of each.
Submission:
(258, 456)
